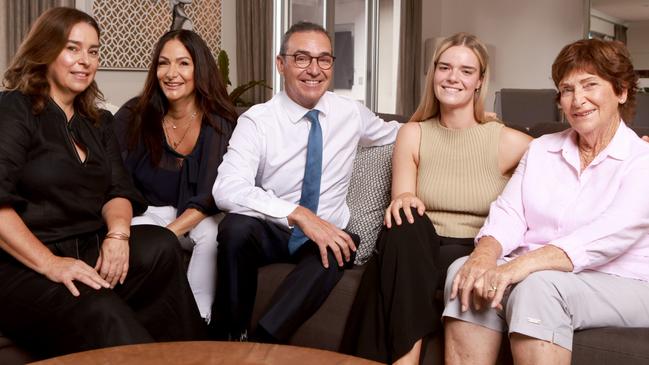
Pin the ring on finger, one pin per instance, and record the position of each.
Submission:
(493, 288)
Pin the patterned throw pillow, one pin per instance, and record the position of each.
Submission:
(368, 196)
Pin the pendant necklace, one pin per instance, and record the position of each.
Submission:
(167, 123)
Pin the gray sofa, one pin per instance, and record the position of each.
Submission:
(368, 195)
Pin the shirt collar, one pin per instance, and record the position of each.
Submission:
(618, 148)
(296, 112)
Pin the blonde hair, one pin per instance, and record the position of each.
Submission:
(429, 104)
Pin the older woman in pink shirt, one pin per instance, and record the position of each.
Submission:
(566, 245)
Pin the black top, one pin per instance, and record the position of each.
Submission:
(178, 180)
(42, 177)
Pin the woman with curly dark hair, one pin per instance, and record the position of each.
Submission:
(75, 275)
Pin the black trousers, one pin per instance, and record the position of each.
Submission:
(248, 243)
(155, 302)
(395, 304)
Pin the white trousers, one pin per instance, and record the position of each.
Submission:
(201, 240)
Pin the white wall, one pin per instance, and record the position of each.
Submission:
(524, 36)
(120, 86)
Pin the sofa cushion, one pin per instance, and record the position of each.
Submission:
(611, 345)
(368, 196)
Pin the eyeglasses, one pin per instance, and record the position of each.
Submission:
(303, 60)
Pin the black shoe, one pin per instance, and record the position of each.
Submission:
(217, 332)
(261, 335)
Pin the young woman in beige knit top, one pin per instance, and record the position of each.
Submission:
(450, 161)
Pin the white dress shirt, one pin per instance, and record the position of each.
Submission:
(262, 171)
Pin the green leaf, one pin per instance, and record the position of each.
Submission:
(224, 66)
(235, 95)
(223, 62)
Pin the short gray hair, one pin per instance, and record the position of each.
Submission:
(300, 27)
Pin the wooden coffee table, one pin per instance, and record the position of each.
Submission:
(206, 353)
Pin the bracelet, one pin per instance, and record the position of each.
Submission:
(118, 236)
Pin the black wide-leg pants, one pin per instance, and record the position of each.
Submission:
(395, 304)
(248, 243)
(155, 302)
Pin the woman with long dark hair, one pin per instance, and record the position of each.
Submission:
(75, 275)
(173, 138)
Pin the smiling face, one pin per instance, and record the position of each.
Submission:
(305, 86)
(75, 67)
(176, 71)
(457, 77)
(589, 102)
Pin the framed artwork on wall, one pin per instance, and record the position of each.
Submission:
(130, 29)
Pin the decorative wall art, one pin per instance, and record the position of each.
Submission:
(130, 29)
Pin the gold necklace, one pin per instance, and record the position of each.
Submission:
(167, 123)
(174, 126)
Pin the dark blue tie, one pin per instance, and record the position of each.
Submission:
(311, 182)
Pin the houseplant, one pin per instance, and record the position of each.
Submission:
(236, 94)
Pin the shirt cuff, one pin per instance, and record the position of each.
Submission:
(276, 208)
(281, 222)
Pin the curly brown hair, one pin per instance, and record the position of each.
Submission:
(607, 59)
(46, 39)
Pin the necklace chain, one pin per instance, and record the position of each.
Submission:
(167, 123)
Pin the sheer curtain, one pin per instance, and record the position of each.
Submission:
(409, 71)
(255, 58)
(20, 15)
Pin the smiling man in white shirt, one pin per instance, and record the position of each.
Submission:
(283, 183)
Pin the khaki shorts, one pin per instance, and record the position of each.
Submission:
(550, 305)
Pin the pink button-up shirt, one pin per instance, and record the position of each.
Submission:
(598, 217)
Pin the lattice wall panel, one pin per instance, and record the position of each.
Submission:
(130, 29)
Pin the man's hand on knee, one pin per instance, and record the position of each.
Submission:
(324, 234)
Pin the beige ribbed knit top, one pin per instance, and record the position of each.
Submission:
(458, 176)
